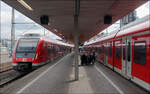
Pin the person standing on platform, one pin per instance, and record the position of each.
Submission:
(90, 57)
(93, 57)
(83, 59)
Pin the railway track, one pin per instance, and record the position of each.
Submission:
(5, 66)
(9, 76)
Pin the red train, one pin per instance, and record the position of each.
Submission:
(32, 51)
(127, 51)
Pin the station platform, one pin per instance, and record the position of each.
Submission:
(58, 77)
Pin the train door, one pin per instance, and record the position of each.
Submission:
(128, 56)
(140, 62)
(110, 54)
(118, 55)
(105, 54)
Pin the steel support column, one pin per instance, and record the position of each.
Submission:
(12, 30)
(0, 22)
(76, 40)
(0, 32)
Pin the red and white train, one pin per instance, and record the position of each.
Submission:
(32, 51)
(127, 51)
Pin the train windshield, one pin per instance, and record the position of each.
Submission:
(27, 45)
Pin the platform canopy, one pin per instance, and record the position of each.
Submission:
(61, 14)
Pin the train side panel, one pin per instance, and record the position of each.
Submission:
(141, 60)
(128, 52)
(102, 53)
(39, 60)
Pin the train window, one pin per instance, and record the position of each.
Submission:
(140, 52)
(53, 49)
(49, 48)
(102, 49)
(27, 45)
(57, 49)
(118, 51)
(97, 49)
(110, 50)
(124, 51)
(129, 47)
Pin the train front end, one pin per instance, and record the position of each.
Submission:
(24, 54)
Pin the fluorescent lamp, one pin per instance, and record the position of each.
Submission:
(25, 4)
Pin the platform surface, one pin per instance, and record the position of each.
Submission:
(59, 78)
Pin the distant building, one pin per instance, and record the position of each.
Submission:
(128, 18)
(6, 42)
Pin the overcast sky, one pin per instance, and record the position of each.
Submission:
(5, 14)
(22, 28)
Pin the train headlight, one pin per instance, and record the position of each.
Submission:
(16, 58)
(32, 58)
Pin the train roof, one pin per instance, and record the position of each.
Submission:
(65, 44)
(125, 30)
(36, 35)
(105, 37)
(55, 41)
(30, 35)
(135, 26)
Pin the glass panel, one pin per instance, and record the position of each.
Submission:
(124, 51)
(140, 52)
(110, 50)
(118, 51)
(129, 47)
(27, 45)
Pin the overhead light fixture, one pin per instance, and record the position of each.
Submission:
(22, 2)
